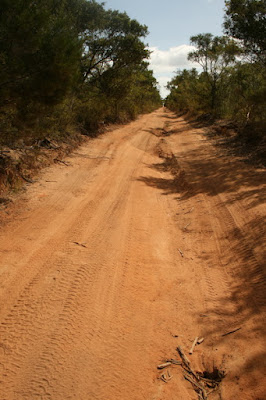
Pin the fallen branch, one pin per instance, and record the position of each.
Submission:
(200, 340)
(162, 366)
(186, 362)
(198, 385)
(233, 331)
(193, 345)
(183, 356)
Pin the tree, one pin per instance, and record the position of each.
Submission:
(114, 43)
(39, 49)
(67, 61)
(214, 54)
(113, 51)
(246, 20)
(186, 92)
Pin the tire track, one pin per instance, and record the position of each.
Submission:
(74, 288)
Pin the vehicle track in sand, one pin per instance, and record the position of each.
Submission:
(149, 233)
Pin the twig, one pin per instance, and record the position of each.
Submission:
(200, 340)
(229, 333)
(193, 345)
(186, 362)
(166, 378)
(185, 227)
(183, 356)
(162, 377)
(198, 385)
(174, 362)
(80, 244)
(162, 366)
(182, 254)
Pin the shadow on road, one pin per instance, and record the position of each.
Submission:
(199, 173)
(210, 175)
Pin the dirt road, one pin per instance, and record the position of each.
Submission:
(147, 238)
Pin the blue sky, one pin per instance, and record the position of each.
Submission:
(171, 23)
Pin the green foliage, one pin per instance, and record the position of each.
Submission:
(189, 92)
(113, 44)
(214, 55)
(245, 93)
(117, 96)
(39, 50)
(68, 62)
(228, 84)
(246, 20)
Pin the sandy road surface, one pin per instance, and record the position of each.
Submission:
(106, 260)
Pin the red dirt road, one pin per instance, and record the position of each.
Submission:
(141, 238)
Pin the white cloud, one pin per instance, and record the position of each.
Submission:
(163, 80)
(165, 62)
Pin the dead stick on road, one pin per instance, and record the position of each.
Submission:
(200, 340)
(229, 333)
(193, 345)
(181, 252)
(184, 357)
(191, 380)
(162, 366)
(80, 244)
(186, 362)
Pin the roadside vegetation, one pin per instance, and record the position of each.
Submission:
(67, 67)
(230, 82)
(69, 63)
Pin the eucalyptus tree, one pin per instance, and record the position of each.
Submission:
(214, 54)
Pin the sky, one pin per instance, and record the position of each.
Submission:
(171, 23)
